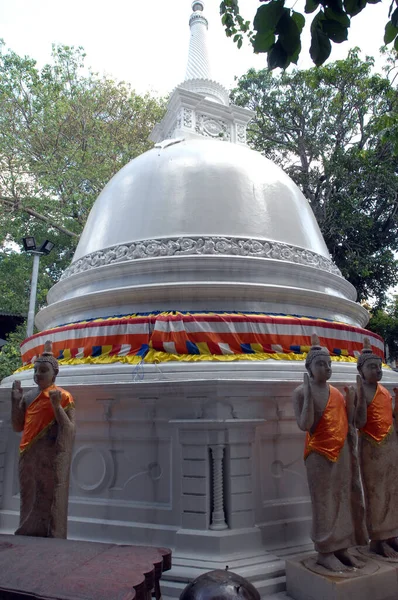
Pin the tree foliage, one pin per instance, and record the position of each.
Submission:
(385, 323)
(10, 356)
(323, 126)
(64, 132)
(277, 29)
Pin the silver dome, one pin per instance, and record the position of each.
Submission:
(196, 188)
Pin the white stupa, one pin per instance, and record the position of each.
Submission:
(181, 327)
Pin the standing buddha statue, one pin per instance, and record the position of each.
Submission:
(332, 471)
(378, 452)
(46, 418)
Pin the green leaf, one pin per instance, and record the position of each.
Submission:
(396, 44)
(320, 44)
(335, 31)
(277, 57)
(394, 18)
(262, 42)
(335, 6)
(299, 19)
(289, 34)
(295, 56)
(390, 32)
(353, 7)
(310, 6)
(268, 15)
(340, 17)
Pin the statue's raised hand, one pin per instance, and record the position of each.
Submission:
(16, 392)
(306, 387)
(350, 396)
(360, 390)
(350, 402)
(55, 398)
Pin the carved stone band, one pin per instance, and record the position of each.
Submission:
(188, 246)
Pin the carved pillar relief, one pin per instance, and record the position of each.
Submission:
(240, 133)
(217, 487)
(218, 515)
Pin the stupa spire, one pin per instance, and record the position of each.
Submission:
(200, 107)
(198, 66)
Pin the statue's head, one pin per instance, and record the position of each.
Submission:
(46, 367)
(369, 364)
(317, 362)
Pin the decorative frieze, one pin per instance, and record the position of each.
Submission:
(188, 246)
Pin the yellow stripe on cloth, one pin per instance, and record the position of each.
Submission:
(257, 348)
(203, 348)
(157, 356)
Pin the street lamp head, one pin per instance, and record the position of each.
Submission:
(46, 247)
(29, 244)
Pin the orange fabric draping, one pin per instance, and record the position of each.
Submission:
(380, 418)
(39, 416)
(331, 432)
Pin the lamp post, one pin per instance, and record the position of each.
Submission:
(29, 244)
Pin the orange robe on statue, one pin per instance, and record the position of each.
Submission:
(331, 431)
(378, 451)
(39, 416)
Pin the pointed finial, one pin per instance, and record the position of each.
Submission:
(366, 344)
(48, 348)
(315, 340)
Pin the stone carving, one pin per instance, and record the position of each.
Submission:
(218, 516)
(332, 468)
(201, 245)
(378, 451)
(46, 417)
(241, 133)
(188, 115)
(210, 127)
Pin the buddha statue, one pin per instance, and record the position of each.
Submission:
(46, 418)
(378, 454)
(332, 471)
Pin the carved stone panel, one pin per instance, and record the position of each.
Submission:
(137, 471)
(212, 127)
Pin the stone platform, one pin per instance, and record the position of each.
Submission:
(376, 583)
(64, 570)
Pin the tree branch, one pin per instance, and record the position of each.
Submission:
(33, 213)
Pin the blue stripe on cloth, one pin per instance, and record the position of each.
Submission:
(143, 350)
(192, 348)
(296, 349)
(96, 351)
(247, 349)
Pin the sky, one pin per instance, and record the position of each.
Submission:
(145, 42)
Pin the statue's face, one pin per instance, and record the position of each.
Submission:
(44, 375)
(372, 370)
(321, 368)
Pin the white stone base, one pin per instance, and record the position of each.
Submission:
(303, 584)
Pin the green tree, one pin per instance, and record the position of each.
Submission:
(64, 132)
(323, 127)
(385, 323)
(277, 29)
(10, 356)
